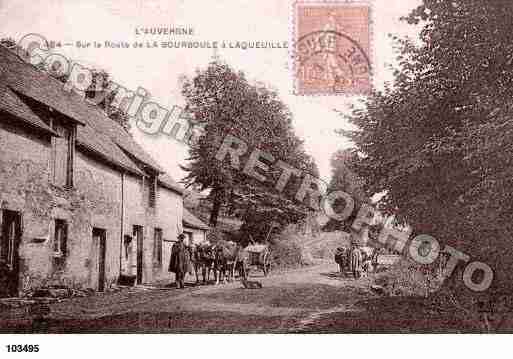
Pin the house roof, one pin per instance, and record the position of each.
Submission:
(12, 104)
(97, 119)
(191, 221)
(101, 146)
(168, 182)
(33, 83)
(99, 134)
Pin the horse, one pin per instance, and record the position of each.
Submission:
(228, 256)
(362, 261)
(203, 259)
(369, 259)
(356, 262)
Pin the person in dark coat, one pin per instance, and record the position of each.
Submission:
(341, 259)
(179, 262)
(356, 262)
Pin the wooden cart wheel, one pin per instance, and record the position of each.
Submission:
(267, 269)
(267, 264)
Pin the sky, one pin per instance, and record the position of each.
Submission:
(158, 70)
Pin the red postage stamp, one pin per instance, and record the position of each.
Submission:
(332, 48)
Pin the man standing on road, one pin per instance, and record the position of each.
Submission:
(341, 259)
(356, 262)
(179, 262)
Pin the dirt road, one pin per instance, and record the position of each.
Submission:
(314, 299)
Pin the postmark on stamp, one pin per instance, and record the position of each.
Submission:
(332, 48)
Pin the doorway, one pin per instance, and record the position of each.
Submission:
(189, 237)
(138, 234)
(9, 255)
(100, 242)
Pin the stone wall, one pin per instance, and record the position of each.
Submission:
(94, 202)
(25, 188)
(169, 219)
(165, 216)
(100, 190)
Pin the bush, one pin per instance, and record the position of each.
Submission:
(407, 278)
(287, 251)
(326, 244)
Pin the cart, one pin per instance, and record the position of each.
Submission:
(259, 255)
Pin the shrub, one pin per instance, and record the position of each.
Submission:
(325, 245)
(288, 252)
(407, 278)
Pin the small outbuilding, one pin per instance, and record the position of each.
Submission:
(194, 228)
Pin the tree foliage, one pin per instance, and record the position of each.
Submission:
(224, 102)
(439, 142)
(101, 88)
(344, 178)
(8, 42)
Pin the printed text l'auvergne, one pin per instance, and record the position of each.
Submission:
(165, 30)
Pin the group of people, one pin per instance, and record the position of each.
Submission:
(355, 260)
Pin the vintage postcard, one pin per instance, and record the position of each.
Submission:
(253, 167)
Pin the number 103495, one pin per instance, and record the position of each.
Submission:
(22, 348)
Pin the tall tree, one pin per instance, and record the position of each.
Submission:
(225, 102)
(344, 178)
(439, 142)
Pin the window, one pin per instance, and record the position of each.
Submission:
(157, 247)
(63, 153)
(60, 238)
(152, 192)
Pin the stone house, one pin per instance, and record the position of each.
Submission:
(194, 228)
(81, 203)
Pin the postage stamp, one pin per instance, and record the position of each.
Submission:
(332, 48)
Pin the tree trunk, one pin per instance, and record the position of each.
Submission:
(216, 208)
(231, 204)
